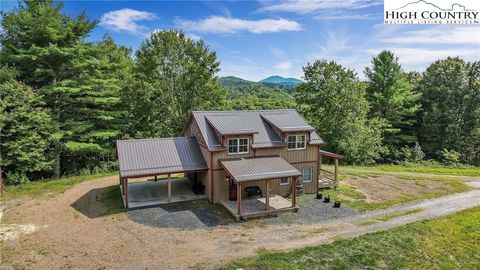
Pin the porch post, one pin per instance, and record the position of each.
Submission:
(336, 172)
(125, 183)
(267, 199)
(294, 191)
(169, 188)
(239, 199)
(319, 174)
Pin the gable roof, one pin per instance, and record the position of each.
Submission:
(260, 123)
(148, 157)
(258, 168)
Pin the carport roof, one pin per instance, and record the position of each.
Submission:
(258, 168)
(148, 157)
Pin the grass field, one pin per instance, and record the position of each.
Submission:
(421, 169)
(357, 200)
(447, 243)
(40, 187)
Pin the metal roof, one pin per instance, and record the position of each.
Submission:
(252, 120)
(287, 124)
(230, 125)
(258, 168)
(145, 157)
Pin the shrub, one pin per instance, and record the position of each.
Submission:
(450, 157)
(15, 178)
(413, 154)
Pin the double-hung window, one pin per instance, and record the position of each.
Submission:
(296, 142)
(307, 175)
(238, 146)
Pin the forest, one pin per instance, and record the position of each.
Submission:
(65, 100)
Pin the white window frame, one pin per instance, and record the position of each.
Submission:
(284, 183)
(238, 146)
(297, 142)
(311, 175)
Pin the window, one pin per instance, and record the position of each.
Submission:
(296, 142)
(238, 146)
(307, 175)
(284, 181)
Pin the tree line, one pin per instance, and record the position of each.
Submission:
(64, 100)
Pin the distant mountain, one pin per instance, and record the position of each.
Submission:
(280, 80)
(234, 81)
(273, 82)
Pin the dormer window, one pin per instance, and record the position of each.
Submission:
(238, 146)
(296, 142)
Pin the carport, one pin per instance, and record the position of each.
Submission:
(143, 158)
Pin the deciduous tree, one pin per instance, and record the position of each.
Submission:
(332, 99)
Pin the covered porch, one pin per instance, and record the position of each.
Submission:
(245, 173)
(326, 178)
(150, 158)
(151, 192)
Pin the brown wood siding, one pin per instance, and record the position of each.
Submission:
(292, 156)
(194, 130)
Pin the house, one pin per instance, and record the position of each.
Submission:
(248, 161)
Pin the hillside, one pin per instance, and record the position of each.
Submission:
(280, 80)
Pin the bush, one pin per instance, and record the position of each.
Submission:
(450, 157)
(413, 154)
(15, 178)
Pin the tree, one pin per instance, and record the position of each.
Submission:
(93, 116)
(25, 128)
(177, 75)
(450, 118)
(43, 44)
(332, 100)
(392, 99)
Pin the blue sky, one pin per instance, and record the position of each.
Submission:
(256, 39)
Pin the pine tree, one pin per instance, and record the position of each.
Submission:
(392, 99)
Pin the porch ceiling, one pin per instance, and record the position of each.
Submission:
(258, 168)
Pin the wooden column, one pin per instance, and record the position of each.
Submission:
(239, 199)
(294, 191)
(169, 186)
(125, 183)
(319, 168)
(336, 172)
(267, 199)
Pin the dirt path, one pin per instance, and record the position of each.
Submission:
(66, 238)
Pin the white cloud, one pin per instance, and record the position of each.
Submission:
(442, 36)
(346, 16)
(194, 37)
(126, 20)
(219, 24)
(419, 58)
(279, 53)
(305, 7)
(285, 65)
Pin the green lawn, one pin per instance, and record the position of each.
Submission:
(40, 187)
(447, 243)
(474, 171)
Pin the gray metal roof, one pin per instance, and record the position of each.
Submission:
(146, 157)
(230, 125)
(287, 124)
(259, 168)
(253, 120)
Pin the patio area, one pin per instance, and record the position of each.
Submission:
(256, 207)
(150, 193)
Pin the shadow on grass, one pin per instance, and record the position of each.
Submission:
(100, 202)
